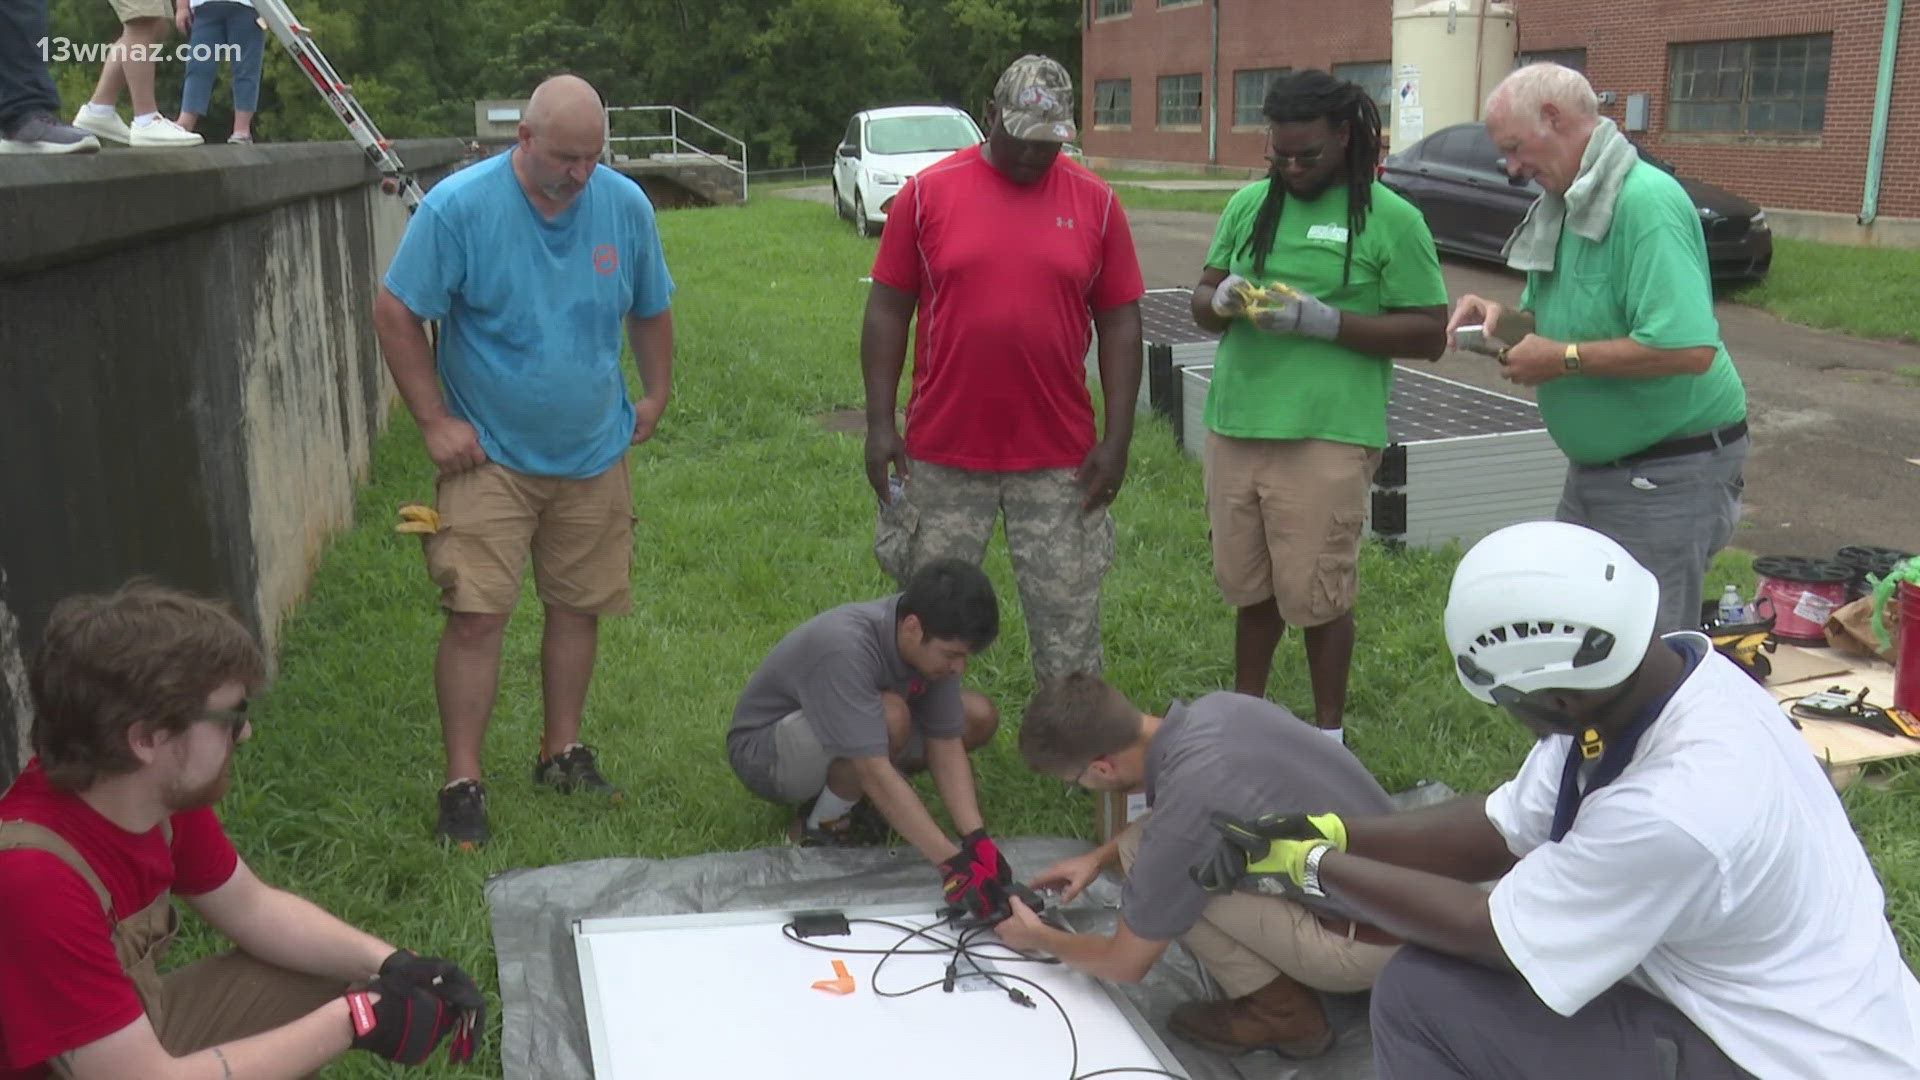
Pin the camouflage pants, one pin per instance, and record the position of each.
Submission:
(1059, 554)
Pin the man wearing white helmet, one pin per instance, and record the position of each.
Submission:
(1677, 892)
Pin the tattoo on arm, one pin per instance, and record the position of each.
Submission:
(226, 1070)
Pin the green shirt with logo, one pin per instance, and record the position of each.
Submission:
(1285, 386)
(1647, 279)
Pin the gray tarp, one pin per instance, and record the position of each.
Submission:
(545, 1033)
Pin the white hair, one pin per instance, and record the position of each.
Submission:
(1530, 89)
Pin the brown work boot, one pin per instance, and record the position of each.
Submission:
(1282, 1016)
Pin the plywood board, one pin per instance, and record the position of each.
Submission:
(728, 995)
(1793, 664)
(1840, 745)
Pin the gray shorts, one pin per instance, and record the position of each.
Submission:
(784, 762)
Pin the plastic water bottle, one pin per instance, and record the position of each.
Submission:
(1733, 610)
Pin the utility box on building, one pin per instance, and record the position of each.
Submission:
(1447, 56)
(498, 119)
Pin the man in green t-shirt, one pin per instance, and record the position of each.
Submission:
(1617, 331)
(1317, 278)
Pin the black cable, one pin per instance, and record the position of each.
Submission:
(963, 946)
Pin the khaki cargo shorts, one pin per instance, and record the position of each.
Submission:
(1287, 517)
(128, 10)
(579, 532)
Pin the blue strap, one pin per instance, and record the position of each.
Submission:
(1619, 750)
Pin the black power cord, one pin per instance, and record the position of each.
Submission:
(961, 946)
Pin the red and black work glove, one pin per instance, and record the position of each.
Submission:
(975, 880)
(445, 980)
(404, 1025)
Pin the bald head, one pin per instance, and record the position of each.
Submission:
(565, 102)
(561, 138)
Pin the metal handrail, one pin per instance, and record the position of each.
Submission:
(674, 113)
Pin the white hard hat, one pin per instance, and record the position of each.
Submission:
(1548, 605)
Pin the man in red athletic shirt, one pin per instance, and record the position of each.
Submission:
(140, 700)
(1007, 253)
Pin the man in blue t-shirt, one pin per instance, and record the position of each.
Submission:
(532, 261)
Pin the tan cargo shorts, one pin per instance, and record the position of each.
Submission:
(579, 532)
(129, 10)
(1287, 517)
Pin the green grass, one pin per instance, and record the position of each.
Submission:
(1133, 197)
(752, 518)
(1115, 176)
(1867, 292)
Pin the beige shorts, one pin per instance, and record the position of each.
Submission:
(1287, 517)
(128, 10)
(579, 532)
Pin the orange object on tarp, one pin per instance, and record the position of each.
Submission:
(841, 984)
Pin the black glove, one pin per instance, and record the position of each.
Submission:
(975, 880)
(444, 980)
(404, 1025)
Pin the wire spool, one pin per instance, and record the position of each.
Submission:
(1803, 591)
(1866, 559)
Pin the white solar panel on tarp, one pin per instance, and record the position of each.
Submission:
(729, 995)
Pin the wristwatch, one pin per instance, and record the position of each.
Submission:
(1573, 356)
(1310, 877)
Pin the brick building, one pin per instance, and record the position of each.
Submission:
(1771, 98)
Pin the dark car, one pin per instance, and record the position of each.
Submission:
(1455, 177)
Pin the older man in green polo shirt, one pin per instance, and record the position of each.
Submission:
(1617, 331)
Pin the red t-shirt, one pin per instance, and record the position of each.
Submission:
(61, 987)
(1008, 276)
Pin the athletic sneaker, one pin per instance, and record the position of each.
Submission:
(43, 133)
(162, 132)
(574, 770)
(109, 127)
(463, 814)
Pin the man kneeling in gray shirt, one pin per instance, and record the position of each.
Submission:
(1226, 753)
(856, 695)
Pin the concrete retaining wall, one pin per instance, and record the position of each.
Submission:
(190, 386)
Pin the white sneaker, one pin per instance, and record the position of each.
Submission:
(164, 132)
(109, 127)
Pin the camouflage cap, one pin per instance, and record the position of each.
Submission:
(1035, 96)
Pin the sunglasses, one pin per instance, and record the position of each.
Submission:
(1306, 159)
(235, 719)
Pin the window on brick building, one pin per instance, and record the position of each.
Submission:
(1113, 103)
(1178, 3)
(1179, 100)
(1112, 9)
(1249, 91)
(1376, 77)
(1757, 87)
(1573, 58)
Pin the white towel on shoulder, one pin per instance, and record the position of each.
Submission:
(1587, 208)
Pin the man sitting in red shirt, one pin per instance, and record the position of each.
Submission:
(1013, 258)
(140, 699)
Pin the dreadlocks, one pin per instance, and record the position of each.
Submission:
(1312, 95)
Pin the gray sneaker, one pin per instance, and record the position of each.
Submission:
(463, 815)
(575, 770)
(43, 133)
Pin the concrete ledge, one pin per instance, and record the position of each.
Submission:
(1828, 228)
(62, 209)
